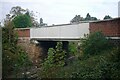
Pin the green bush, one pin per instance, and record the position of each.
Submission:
(97, 67)
(94, 43)
(22, 21)
(13, 57)
(102, 66)
(72, 48)
(56, 57)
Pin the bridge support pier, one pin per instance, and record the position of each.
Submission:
(45, 45)
(65, 47)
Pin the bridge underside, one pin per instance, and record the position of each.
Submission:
(56, 39)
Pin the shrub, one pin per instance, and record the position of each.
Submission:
(94, 43)
(13, 57)
(56, 57)
(103, 66)
(72, 48)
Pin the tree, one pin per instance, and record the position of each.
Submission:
(41, 22)
(89, 18)
(15, 11)
(32, 17)
(22, 21)
(77, 19)
(94, 18)
(18, 11)
(13, 57)
(56, 57)
(107, 17)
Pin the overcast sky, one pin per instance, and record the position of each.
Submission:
(62, 11)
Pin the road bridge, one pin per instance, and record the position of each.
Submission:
(71, 32)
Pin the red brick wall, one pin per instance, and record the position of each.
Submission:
(23, 32)
(108, 27)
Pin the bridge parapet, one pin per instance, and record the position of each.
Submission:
(62, 33)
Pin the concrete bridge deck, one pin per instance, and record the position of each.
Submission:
(60, 33)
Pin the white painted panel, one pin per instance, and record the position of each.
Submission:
(44, 32)
(74, 31)
(119, 9)
(70, 31)
(83, 29)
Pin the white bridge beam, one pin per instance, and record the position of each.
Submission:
(69, 32)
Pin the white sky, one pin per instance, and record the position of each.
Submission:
(62, 11)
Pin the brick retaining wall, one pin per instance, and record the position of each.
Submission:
(110, 28)
(25, 32)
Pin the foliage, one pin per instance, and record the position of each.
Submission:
(72, 48)
(102, 66)
(78, 18)
(25, 18)
(56, 57)
(89, 18)
(94, 43)
(17, 10)
(22, 21)
(60, 55)
(107, 17)
(42, 23)
(33, 19)
(13, 56)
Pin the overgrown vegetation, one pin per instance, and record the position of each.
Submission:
(94, 43)
(72, 49)
(13, 57)
(103, 61)
(55, 59)
(101, 64)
